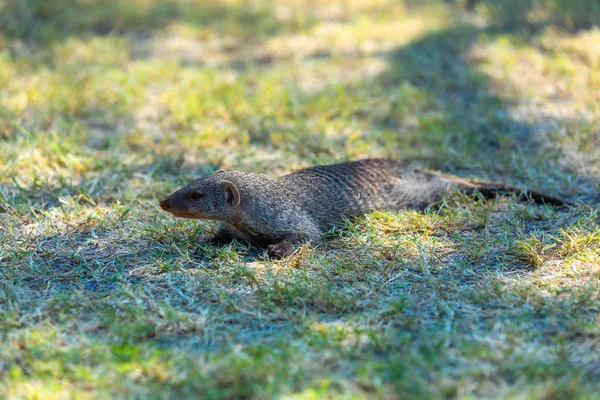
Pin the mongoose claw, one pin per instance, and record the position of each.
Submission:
(280, 250)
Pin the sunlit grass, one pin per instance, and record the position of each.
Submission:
(105, 107)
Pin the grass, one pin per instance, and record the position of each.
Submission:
(107, 107)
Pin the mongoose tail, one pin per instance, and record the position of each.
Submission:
(490, 190)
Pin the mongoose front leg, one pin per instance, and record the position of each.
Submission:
(222, 237)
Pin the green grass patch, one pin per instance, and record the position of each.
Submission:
(107, 106)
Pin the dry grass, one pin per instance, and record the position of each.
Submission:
(108, 106)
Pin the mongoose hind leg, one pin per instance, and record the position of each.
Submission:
(281, 249)
(287, 246)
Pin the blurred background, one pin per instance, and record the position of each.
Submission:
(173, 86)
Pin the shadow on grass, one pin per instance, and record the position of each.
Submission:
(49, 21)
(470, 127)
(466, 126)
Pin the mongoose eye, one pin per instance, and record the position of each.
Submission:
(196, 196)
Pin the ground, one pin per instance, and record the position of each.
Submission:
(108, 106)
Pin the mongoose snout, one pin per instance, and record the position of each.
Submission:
(164, 204)
(282, 213)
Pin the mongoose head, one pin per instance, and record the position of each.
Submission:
(210, 197)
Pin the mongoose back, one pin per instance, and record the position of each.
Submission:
(281, 213)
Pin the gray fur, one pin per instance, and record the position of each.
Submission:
(282, 213)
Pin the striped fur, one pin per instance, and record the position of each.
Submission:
(281, 213)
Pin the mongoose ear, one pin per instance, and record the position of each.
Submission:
(231, 193)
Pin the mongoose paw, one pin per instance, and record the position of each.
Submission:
(279, 250)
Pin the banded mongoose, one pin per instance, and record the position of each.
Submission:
(283, 213)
